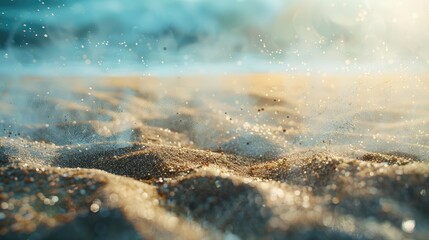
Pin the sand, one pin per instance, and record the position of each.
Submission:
(250, 156)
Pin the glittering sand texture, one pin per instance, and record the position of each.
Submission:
(212, 157)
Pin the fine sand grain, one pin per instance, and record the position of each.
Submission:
(259, 156)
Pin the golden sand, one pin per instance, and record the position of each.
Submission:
(238, 156)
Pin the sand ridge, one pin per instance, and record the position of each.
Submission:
(252, 156)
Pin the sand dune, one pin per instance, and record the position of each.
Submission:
(225, 156)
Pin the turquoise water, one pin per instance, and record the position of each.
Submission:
(285, 35)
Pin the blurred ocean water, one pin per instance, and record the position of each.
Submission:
(286, 34)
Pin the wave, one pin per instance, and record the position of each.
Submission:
(113, 33)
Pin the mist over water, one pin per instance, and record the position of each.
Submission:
(338, 49)
(140, 36)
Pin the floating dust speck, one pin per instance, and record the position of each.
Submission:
(47, 201)
(4, 205)
(408, 225)
(95, 206)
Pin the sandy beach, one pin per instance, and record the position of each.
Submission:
(235, 156)
(228, 119)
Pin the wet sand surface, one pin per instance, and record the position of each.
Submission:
(250, 156)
